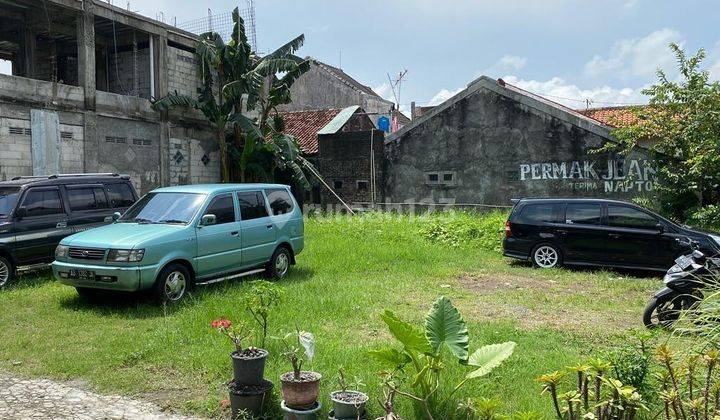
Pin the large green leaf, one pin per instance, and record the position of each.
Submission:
(489, 357)
(390, 356)
(445, 325)
(407, 334)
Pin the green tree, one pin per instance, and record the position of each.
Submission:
(681, 128)
(236, 82)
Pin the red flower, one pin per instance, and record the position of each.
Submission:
(221, 323)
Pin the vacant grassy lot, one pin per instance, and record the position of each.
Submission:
(351, 270)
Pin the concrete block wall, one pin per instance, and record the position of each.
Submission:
(182, 72)
(15, 149)
(201, 172)
(125, 71)
(72, 150)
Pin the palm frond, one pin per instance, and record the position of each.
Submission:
(287, 49)
(175, 100)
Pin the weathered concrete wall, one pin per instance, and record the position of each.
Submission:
(194, 156)
(488, 148)
(182, 72)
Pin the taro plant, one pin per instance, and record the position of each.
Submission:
(260, 299)
(418, 364)
(298, 347)
(595, 395)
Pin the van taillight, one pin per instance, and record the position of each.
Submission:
(508, 232)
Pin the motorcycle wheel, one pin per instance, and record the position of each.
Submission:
(665, 311)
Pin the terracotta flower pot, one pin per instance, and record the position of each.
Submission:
(300, 393)
(249, 366)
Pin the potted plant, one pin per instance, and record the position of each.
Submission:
(248, 362)
(247, 390)
(348, 404)
(299, 388)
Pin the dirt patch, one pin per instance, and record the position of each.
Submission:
(567, 305)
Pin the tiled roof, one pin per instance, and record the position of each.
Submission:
(612, 116)
(305, 125)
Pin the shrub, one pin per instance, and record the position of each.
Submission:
(465, 229)
(707, 217)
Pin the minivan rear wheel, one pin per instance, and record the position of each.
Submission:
(546, 256)
(279, 264)
(7, 272)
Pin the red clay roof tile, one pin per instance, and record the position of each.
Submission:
(305, 125)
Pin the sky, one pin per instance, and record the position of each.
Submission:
(568, 51)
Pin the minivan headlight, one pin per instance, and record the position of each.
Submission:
(61, 251)
(125, 255)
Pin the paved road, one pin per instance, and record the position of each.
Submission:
(45, 399)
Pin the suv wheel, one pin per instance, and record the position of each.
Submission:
(546, 256)
(7, 272)
(279, 264)
(173, 283)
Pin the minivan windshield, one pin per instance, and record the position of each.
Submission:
(8, 198)
(164, 208)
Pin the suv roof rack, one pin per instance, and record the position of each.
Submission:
(55, 176)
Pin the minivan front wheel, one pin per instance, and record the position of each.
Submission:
(546, 256)
(173, 283)
(279, 264)
(7, 272)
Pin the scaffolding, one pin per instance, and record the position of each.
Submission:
(222, 23)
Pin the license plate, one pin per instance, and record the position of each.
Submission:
(82, 274)
(684, 262)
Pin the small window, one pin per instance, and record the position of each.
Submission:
(223, 208)
(280, 201)
(337, 184)
(252, 205)
(621, 216)
(362, 185)
(121, 195)
(433, 177)
(539, 213)
(81, 199)
(583, 214)
(43, 202)
(448, 177)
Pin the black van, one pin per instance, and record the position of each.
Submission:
(36, 212)
(611, 233)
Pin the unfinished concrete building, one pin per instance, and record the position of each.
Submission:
(78, 99)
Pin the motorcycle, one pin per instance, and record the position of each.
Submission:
(684, 282)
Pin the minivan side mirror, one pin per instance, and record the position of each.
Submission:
(21, 212)
(660, 228)
(116, 216)
(208, 220)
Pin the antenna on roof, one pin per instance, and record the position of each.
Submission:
(588, 102)
(396, 85)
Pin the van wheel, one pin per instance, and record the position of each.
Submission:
(546, 256)
(7, 272)
(172, 284)
(279, 264)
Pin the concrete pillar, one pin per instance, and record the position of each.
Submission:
(91, 142)
(86, 53)
(160, 87)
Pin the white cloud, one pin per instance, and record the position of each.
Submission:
(636, 57)
(512, 61)
(443, 96)
(559, 90)
(5, 67)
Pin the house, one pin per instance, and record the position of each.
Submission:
(346, 149)
(328, 87)
(493, 141)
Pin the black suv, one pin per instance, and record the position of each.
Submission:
(37, 212)
(611, 233)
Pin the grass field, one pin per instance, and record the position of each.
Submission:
(351, 269)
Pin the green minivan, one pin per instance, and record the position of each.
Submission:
(177, 237)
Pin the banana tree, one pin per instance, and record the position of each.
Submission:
(422, 353)
(236, 81)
